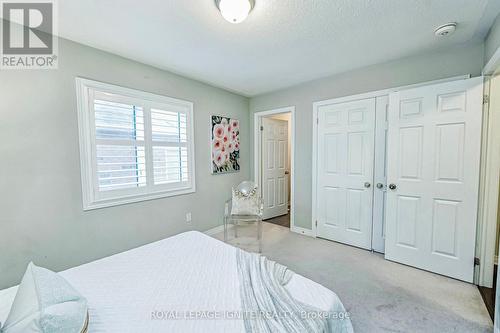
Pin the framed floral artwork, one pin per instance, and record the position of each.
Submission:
(225, 145)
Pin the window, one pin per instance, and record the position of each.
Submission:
(134, 145)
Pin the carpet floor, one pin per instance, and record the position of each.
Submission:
(381, 296)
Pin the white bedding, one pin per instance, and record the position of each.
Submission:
(187, 272)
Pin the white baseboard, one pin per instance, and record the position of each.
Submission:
(213, 231)
(216, 230)
(302, 231)
(220, 228)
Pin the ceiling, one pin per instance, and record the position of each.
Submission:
(282, 43)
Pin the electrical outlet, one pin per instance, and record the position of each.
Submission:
(188, 217)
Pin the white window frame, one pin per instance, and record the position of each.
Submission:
(91, 196)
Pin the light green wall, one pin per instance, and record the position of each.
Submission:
(492, 42)
(438, 65)
(41, 216)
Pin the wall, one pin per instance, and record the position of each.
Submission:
(451, 62)
(41, 216)
(492, 42)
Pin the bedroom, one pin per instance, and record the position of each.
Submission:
(113, 173)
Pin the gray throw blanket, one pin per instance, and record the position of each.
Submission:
(269, 307)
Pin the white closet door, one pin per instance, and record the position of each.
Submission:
(433, 176)
(345, 172)
(274, 164)
(380, 174)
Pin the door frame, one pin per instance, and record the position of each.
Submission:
(350, 98)
(488, 194)
(491, 68)
(257, 153)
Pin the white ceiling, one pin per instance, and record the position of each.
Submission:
(282, 43)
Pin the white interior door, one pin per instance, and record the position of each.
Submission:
(274, 167)
(345, 172)
(433, 174)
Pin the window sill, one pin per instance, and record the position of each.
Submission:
(98, 204)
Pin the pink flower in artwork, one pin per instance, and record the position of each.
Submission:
(237, 146)
(219, 158)
(217, 144)
(219, 131)
(235, 124)
(226, 157)
(230, 147)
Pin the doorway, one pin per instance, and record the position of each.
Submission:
(274, 164)
(489, 217)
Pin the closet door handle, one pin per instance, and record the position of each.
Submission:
(393, 186)
(368, 185)
(380, 186)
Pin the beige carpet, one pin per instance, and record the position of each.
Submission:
(381, 296)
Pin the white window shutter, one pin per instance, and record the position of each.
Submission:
(134, 145)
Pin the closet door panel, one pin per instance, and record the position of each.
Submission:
(345, 172)
(433, 174)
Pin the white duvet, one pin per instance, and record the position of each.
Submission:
(189, 276)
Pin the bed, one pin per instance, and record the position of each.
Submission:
(177, 285)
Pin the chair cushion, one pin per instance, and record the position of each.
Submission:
(46, 302)
(245, 204)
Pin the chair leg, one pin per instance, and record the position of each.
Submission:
(225, 229)
(259, 236)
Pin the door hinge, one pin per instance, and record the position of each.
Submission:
(316, 223)
(477, 261)
(317, 121)
(486, 99)
(262, 128)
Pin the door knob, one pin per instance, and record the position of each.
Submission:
(367, 185)
(380, 186)
(393, 186)
(287, 172)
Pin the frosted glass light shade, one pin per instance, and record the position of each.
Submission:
(235, 11)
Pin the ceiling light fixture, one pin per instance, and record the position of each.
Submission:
(235, 11)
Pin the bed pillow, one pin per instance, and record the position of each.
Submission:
(46, 303)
